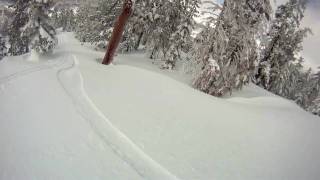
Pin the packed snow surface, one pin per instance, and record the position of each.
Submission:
(68, 117)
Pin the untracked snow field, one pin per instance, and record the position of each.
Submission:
(69, 117)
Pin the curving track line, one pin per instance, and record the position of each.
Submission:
(71, 80)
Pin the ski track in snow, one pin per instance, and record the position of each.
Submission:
(71, 80)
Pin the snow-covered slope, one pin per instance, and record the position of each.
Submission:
(71, 118)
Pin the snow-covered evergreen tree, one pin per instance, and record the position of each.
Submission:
(300, 85)
(18, 42)
(164, 27)
(64, 17)
(82, 22)
(3, 48)
(280, 69)
(201, 42)
(41, 34)
(4, 20)
(67, 17)
(209, 13)
(230, 57)
(94, 20)
(314, 106)
(285, 42)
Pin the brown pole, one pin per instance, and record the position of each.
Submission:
(118, 31)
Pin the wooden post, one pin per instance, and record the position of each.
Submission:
(118, 31)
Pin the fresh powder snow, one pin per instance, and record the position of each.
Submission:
(69, 117)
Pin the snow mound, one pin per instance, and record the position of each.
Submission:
(196, 136)
(71, 82)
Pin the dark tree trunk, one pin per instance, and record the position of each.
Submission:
(139, 41)
(118, 31)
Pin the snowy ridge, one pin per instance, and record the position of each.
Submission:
(71, 79)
